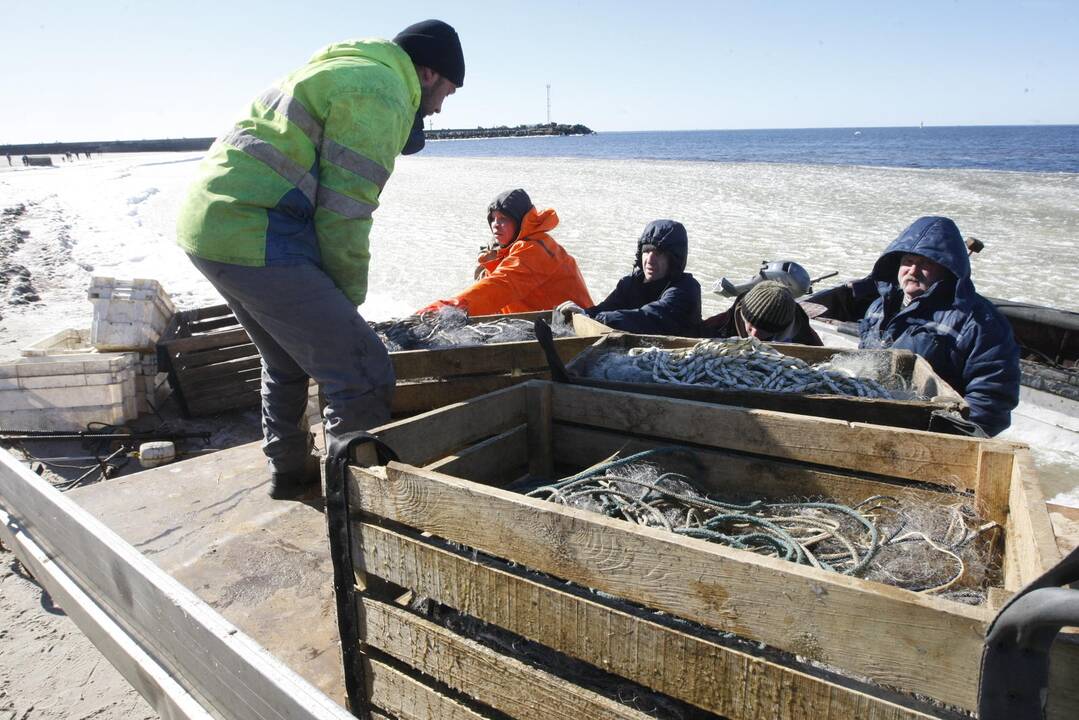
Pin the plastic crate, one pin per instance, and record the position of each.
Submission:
(151, 387)
(128, 314)
(70, 341)
(65, 392)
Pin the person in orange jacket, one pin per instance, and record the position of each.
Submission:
(527, 271)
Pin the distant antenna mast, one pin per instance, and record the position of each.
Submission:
(548, 103)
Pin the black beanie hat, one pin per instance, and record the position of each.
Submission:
(434, 44)
(514, 203)
(769, 306)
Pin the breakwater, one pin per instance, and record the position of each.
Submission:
(504, 131)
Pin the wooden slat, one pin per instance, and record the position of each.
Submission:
(994, 482)
(538, 404)
(715, 678)
(207, 342)
(494, 461)
(1029, 530)
(910, 454)
(411, 398)
(933, 646)
(209, 325)
(221, 370)
(409, 699)
(492, 678)
(165, 695)
(493, 358)
(188, 361)
(725, 473)
(206, 655)
(437, 433)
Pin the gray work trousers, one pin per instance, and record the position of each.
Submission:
(305, 327)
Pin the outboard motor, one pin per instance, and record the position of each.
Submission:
(787, 272)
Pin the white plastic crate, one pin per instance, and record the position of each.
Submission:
(70, 341)
(65, 392)
(128, 314)
(150, 385)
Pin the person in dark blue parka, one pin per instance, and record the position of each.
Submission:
(658, 297)
(927, 304)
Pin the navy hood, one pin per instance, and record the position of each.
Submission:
(937, 238)
(670, 237)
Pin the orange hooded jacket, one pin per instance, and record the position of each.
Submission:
(531, 273)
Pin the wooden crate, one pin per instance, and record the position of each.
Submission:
(413, 529)
(917, 373)
(213, 366)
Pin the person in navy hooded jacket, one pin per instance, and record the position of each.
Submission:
(927, 304)
(658, 297)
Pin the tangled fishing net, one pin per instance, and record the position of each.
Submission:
(918, 546)
(747, 364)
(450, 327)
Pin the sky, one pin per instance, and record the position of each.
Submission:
(108, 70)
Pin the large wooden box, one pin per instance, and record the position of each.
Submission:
(716, 631)
(916, 373)
(213, 366)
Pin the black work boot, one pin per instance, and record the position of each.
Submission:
(298, 483)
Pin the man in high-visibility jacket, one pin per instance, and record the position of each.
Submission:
(279, 218)
(527, 270)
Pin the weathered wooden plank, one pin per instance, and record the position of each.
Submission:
(933, 647)
(723, 472)
(915, 455)
(207, 342)
(189, 361)
(437, 433)
(494, 461)
(994, 482)
(209, 325)
(492, 678)
(230, 369)
(1029, 529)
(493, 358)
(538, 407)
(406, 698)
(719, 679)
(206, 655)
(410, 398)
(161, 691)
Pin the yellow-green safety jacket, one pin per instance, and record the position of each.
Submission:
(298, 179)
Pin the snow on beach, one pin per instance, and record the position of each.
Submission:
(114, 215)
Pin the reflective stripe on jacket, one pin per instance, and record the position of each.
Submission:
(298, 179)
(532, 273)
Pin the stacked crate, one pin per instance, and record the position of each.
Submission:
(715, 631)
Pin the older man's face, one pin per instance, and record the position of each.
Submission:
(917, 274)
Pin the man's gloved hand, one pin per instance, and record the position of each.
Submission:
(569, 308)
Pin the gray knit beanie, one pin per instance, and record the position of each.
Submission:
(769, 306)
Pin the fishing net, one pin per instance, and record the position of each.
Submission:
(747, 364)
(933, 548)
(450, 327)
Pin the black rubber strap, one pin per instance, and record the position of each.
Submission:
(338, 521)
(546, 341)
(1015, 661)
